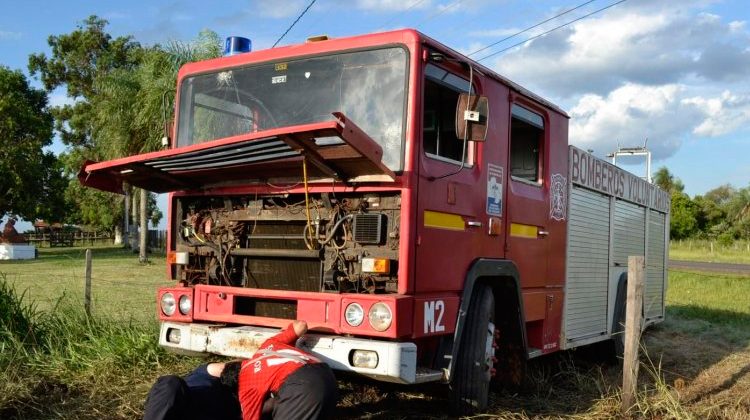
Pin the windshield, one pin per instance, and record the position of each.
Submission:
(366, 86)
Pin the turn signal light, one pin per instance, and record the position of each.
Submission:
(376, 265)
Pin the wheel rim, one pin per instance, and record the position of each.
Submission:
(489, 350)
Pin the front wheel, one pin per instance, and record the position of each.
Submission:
(474, 369)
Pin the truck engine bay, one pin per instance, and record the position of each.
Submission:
(326, 242)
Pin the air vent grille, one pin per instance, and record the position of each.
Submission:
(369, 228)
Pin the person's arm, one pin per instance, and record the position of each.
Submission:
(215, 369)
(290, 334)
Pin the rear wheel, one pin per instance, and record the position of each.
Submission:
(470, 384)
(617, 344)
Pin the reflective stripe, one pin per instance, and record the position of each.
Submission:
(282, 354)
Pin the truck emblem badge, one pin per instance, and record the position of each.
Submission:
(494, 190)
(558, 198)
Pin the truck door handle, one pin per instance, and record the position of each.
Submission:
(473, 223)
(543, 233)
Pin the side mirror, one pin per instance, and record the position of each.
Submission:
(471, 117)
(166, 140)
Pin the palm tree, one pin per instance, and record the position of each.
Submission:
(129, 114)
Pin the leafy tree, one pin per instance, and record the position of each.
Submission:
(666, 181)
(77, 59)
(721, 195)
(683, 220)
(129, 105)
(29, 177)
(710, 214)
(738, 212)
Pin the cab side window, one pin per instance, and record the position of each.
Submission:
(441, 90)
(526, 140)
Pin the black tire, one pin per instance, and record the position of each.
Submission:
(617, 344)
(618, 333)
(470, 384)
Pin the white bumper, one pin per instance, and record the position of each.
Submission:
(397, 362)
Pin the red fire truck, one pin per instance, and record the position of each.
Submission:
(425, 215)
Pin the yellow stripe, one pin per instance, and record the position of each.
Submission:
(440, 220)
(523, 231)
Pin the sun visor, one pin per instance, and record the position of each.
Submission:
(333, 149)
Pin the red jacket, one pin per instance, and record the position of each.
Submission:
(266, 371)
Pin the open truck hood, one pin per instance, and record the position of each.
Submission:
(266, 154)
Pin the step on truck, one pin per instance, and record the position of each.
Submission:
(425, 215)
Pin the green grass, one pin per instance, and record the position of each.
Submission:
(701, 250)
(55, 362)
(121, 287)
(715, 304)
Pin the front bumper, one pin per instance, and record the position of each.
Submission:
(397, 362)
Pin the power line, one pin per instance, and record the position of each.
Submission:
(392, 20)
(294, 23)
(440, 12)
(530, 28)
(553, 29)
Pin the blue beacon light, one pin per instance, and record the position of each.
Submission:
(237, 45)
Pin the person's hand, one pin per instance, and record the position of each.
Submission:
(300, 327)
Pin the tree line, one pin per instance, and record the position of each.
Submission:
(721, 214)
(115, 88)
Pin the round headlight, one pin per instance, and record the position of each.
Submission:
(354, 314)
(168, 304)
(380, 316)
(185, 304)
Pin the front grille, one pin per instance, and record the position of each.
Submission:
(281, 272)
(284, 309)
(369, 228)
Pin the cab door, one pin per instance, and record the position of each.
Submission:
(527, 233)
(450, 221)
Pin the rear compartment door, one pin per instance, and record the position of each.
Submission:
(336, 149)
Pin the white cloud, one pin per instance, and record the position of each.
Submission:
(737, 26)
(494, 33)
(9, 35)
(631, 44)
(393, 5)
(630, 114)
(667, 71)
(664, 114)
(722, 114)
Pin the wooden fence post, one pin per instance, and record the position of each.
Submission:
(87, 286)
(636, 265)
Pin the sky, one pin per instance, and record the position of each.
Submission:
(672, 73)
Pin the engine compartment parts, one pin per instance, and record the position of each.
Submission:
(322, 242)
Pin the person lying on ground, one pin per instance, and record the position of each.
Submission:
(283, 379)
(198, 396)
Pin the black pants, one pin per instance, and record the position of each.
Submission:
(310, 392)
(167, 399)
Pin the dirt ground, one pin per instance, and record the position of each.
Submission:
(701, 376)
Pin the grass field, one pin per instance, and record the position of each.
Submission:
(701, 250)
(121, 288)
(697, 363)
